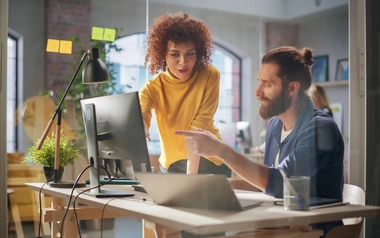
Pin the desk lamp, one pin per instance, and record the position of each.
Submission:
(95, 71)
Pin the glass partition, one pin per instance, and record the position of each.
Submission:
(243, 31)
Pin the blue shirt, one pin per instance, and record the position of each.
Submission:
(314, 148)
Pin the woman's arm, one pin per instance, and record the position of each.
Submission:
(192, 163)
(205, 115)
(146, 103)
(209, 105)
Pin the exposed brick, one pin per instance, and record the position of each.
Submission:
(280, 34)
(66, 19)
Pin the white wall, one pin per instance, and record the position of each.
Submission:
(33, 32)
(260, 8)
(357, 98)
(327, 34)
(32, 55)
(274, 9)
(297, 8)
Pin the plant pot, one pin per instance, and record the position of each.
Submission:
(49, 173)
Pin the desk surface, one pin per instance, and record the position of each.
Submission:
(206, 222)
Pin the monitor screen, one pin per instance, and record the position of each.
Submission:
(244, 135)
(115, 131)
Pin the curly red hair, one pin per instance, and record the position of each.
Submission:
(179, 28)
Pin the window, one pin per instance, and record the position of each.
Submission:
(12, 94)
(131, 75)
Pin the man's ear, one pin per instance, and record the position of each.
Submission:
(294, 87)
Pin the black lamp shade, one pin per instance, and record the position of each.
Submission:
(95, 71)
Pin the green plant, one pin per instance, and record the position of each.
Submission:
(45, 156)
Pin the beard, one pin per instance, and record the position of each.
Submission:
(275, 106)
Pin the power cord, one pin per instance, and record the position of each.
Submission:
(69, 202)
(101, 218)
(86, 190)
(40, 208)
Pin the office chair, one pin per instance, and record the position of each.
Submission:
(352, 227)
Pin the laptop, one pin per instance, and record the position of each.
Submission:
(211, 192)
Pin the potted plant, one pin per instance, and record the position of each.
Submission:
(46, 155)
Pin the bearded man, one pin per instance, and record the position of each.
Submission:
(301, 139)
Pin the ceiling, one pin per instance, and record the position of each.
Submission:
(275, 9)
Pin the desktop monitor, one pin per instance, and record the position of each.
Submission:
(115, 131)
(244, 133)
(228, 132)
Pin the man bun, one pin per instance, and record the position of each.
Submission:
(308, 56)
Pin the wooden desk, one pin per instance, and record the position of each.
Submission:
(196, 221)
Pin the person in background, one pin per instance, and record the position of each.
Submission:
(184, 93)
(317, 93)
(301, 140)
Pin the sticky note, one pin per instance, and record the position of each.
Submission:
(97, 33)
(66, 47)
(52, 45)
(109, 34)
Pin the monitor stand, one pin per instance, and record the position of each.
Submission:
(93, 159)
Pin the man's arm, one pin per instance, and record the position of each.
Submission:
(254, 173)
(204, 143)
(239, 183)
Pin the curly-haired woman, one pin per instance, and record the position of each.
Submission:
(185, 92)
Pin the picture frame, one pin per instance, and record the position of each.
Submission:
(320, 69)
(342, 69)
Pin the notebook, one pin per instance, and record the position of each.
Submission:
(212, 192)
(318, 202)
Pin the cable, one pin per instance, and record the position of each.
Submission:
(71, 195)
(101, 218)
(40, 209)
(86, 190)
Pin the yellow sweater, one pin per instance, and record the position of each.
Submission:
(180, 104)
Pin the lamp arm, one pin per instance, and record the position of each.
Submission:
(58, 108)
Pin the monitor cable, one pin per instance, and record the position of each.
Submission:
(69, 202)
(40, 208)
(101, 218)
(86, 190)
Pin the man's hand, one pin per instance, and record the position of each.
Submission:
(147, 135)
(201, 142)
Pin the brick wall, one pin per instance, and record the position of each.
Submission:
(64, 21)
(281, 34)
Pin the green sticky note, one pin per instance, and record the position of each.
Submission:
(97, 33)
(52, 45)
(109, 34)
(66, 47)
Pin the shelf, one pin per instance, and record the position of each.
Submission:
(333, 83)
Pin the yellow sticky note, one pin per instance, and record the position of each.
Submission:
(97, 33)
(52, 45)
(109, 34)
(66, 47)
